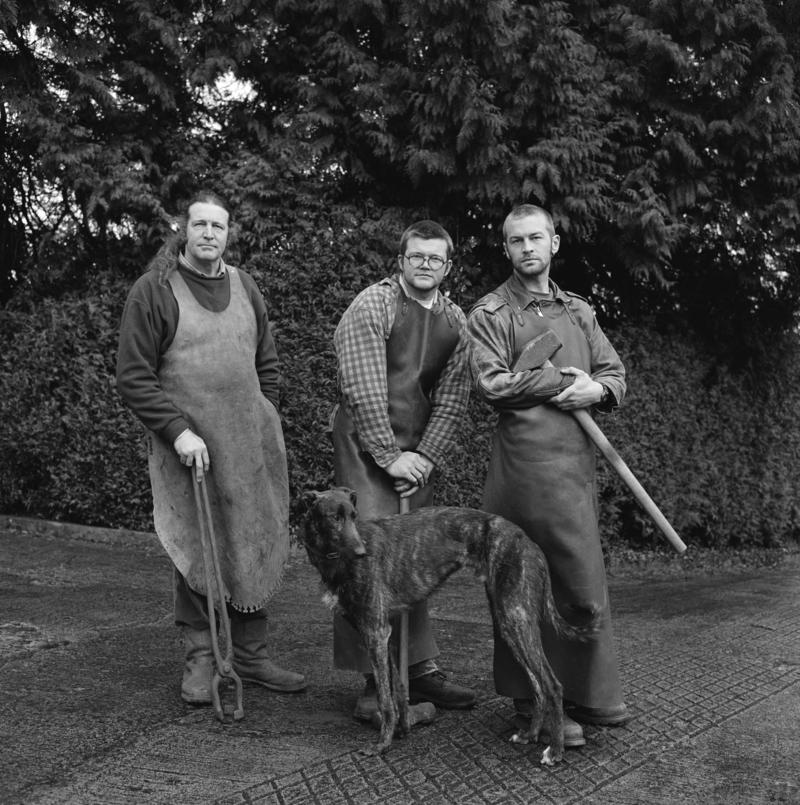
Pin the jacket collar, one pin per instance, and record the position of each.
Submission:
(521, 297)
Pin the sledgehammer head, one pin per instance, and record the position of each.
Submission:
(537, 352)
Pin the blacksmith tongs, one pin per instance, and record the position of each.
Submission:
(223, 665)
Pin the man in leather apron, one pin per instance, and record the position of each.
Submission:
(404, 383)
(541, 473)
(198, 366)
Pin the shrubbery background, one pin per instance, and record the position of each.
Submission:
(664, 138)
(717, 451)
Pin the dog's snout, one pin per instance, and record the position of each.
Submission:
(351, 539)
(355, 542)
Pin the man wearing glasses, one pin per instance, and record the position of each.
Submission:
(404, 384)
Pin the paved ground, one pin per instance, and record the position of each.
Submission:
(90, 711)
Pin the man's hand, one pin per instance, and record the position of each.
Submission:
(192, 450)
(583, 393)
(410, 471)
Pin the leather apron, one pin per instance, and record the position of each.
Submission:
(417, 350)
(208, 372)
(541, 476)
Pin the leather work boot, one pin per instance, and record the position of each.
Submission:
(198, 667)
(435, 688)
(573, 732)
(599, 716)
(250, 658)
(367, 706)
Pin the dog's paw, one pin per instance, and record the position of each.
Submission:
(549, 757)
(373, 750)
(520, 738)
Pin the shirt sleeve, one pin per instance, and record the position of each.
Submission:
(491, 355)
(360, 344)
(449, 398)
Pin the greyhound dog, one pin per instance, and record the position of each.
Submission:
(372, 569)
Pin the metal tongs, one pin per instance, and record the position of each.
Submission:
(223, 665)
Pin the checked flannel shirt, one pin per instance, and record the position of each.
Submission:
(360, 343)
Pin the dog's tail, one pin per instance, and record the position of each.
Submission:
(589, 616)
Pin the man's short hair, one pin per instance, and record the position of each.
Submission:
(524, 210)
(427, 230)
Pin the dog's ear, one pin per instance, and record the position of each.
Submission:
(307, 499)
(345, 490)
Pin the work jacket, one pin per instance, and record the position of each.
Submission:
(541, 472)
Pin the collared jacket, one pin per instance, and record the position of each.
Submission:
(503, 321)
(541, 472)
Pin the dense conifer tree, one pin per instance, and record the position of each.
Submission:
(664, 136)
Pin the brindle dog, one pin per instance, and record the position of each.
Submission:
(375, 568)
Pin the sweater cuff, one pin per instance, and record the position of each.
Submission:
(174, 429)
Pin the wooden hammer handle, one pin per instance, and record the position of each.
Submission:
(613, 457)
(536, 354)
(402, 643)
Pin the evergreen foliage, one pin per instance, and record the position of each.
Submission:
(665, 137)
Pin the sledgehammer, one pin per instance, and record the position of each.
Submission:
(424, 712)
(535, 355)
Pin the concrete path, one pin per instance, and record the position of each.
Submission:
(90, 709)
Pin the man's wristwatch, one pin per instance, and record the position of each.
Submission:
(607, 396)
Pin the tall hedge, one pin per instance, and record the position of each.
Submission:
(68, 448)
(718, 453)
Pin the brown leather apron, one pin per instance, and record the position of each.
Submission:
(542, 477)
(418, 348)
(209, 373)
